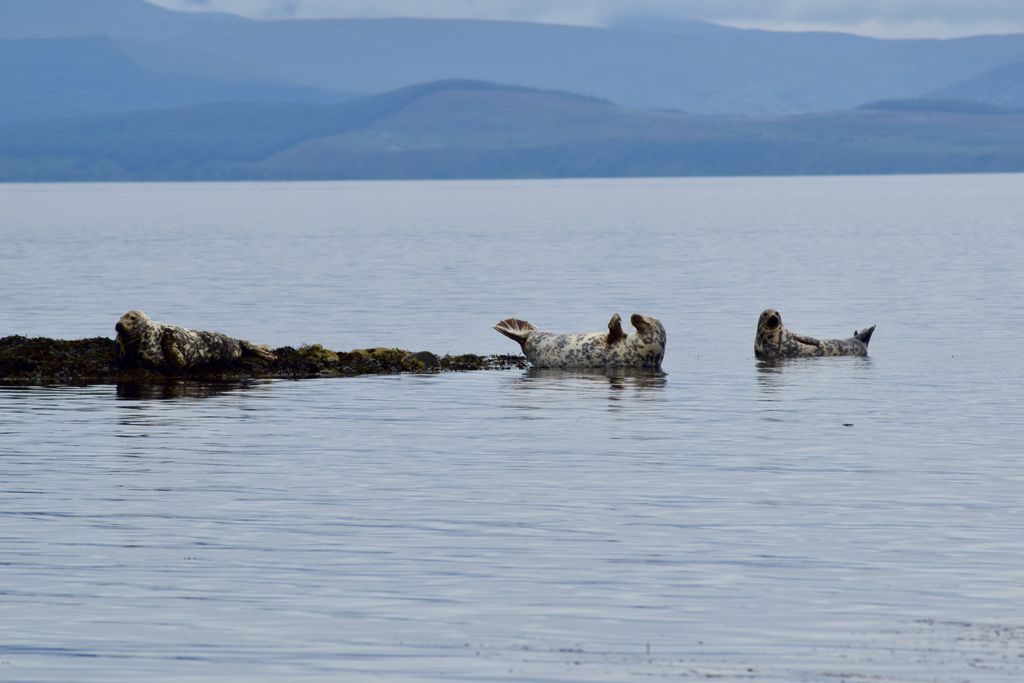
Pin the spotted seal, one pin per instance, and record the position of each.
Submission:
(614, 348)
(773, 341)
(162, 346)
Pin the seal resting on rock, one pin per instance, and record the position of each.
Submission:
(614, 348)
(166, 347)
(773, 341)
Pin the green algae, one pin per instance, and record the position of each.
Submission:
(88, 361)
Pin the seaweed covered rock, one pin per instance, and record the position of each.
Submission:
(316, 361)
(40, 359)
(98, 360)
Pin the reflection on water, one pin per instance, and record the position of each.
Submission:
(615, 378)
(620, 388)
(773, 374)
(776, 365)
(178, 389)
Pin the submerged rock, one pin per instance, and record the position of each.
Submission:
(87, 361)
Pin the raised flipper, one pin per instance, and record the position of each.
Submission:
(515, 329)
(810, 341)
(615, 333)
(864, 336)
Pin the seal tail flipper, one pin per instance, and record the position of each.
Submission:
(515, 329)
(261, 351)
(864, 336)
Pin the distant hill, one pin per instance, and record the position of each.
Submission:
(68, 77)
(655, 24)
(926, 104)
(1003, 86)
(465, 129)
(689, 66)
(125, 90)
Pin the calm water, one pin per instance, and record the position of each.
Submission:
(830, 520)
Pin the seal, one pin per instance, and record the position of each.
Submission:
(773, 341)
(166, 347)
(614, 348)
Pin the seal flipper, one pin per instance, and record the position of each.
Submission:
(261, 351)
(864, 336)
(174, 357)
(615, 333)
(515, 329)
(810, 341)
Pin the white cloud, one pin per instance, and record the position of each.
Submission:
(584, 12)
(878, 28)
(888, 18)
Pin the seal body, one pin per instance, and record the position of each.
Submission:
(167, 347)
(612, 349)
(773, 341)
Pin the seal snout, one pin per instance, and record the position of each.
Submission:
(770, 320)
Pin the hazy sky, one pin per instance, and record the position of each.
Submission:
(887, 18)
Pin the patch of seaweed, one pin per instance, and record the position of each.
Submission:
(82, 361)
(58, 361)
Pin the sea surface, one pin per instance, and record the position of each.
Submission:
(845, 519)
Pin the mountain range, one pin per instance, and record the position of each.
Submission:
(692, 66)
(121, 89)
(468, 129)
(55, 78)
(1002, 86)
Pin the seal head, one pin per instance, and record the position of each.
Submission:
(139, 340)
(128, 325)
(769, 329)
(773, 341)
